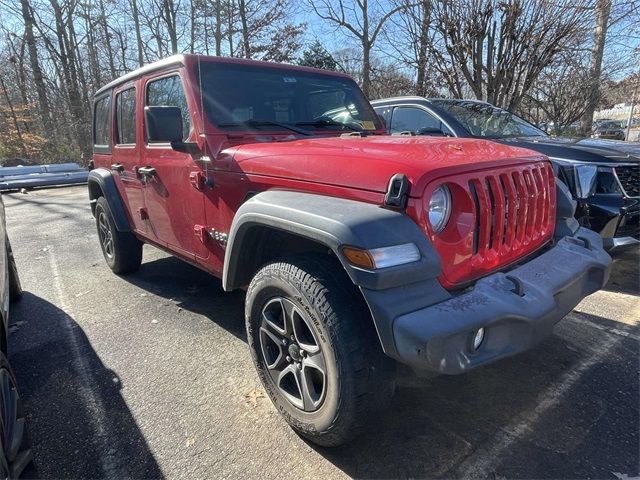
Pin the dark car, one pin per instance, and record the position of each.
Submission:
(16, 454)
(603, 175)
(611, 130)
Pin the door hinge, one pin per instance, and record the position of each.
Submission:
(197, 180)
(201, 232)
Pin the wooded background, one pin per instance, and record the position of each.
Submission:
(546, 60)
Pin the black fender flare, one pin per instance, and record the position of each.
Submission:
(333, 222)
(101, 180)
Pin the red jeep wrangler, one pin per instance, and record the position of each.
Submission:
(356, 248)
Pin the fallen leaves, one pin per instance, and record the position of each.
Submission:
(253, 396)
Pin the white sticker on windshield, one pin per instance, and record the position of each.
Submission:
(289, 79)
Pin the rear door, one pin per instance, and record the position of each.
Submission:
(126, 154)
(174, 206)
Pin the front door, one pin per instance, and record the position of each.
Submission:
(174, 206)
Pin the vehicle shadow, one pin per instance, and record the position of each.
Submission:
(194, 290)
(625, 274)
(436, 422)
(79, 424)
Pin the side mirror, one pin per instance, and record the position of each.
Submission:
(164, 125)
(430, 131)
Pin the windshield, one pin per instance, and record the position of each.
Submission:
(248, 97)
(486, 121)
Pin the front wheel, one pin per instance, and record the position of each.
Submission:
(315, 349)
(122, 250)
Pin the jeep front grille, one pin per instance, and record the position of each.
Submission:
(629, 176)
(513, 215)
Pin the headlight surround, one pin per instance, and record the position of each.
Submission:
(439, 208)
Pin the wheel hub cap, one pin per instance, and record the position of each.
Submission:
(294, 352)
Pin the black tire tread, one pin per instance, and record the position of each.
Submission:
(367, 373)
(127, 248)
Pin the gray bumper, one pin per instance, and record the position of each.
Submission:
(517, 309)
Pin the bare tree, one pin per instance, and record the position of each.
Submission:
(559, 93)
(38, 78)
(498, 48)
(602, 11)
(362, 20)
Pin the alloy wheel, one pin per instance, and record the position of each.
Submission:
(292, 354)
(106, 237)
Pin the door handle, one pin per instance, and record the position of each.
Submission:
(118, 167)
(147, 171)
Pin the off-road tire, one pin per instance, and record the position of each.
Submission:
(15, 288)
(360, 378)
(124, 253)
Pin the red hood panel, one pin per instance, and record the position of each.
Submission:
(367, 163)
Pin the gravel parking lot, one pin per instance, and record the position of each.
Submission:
(149, 375)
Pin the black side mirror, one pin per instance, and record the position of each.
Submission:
(164, 125)
(430, 131)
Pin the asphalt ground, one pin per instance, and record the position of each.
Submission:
(149, 375)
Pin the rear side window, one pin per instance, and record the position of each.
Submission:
(168, 92)
(102, 123)
(126, 117)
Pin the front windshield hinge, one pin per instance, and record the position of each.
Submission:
(397, 191)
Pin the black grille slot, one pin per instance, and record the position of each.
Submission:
(476, 228)
(629, 176)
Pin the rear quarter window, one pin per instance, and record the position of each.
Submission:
(102, 124)
(126, 117)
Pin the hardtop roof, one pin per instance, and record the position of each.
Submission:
(185, 58)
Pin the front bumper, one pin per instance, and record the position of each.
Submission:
(517, 309)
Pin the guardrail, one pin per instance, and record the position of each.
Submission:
(15, 178)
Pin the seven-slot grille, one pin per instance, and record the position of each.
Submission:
(513, 209)
(629, 176)
(508, 213)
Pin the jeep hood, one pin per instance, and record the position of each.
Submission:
(367, 163)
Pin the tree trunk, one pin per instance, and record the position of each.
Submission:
(136, 23)
(14, 118)
(366, 50)
(107, 40)
(43, 102)
(421, 87)
(603, 8)
(245, 29)
(218, 34)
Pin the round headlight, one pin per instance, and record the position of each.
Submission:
(439, 208)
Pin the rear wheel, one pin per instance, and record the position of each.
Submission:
(315, 349)
(16, 453)
(122, 250)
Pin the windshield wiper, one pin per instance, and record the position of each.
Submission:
(327, 122)
(265, 123)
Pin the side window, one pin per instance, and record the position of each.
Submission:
(413, 119)
(168, 92)
(126, 117)
(102, 122)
